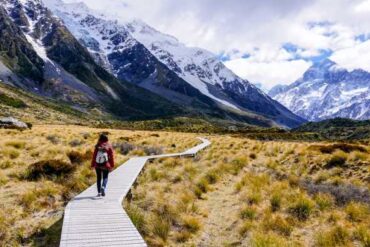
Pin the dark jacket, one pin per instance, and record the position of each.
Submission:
(107, 146)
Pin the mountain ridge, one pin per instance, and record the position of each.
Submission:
(126, 48)
(327, 91)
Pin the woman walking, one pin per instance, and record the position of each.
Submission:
(103, 162)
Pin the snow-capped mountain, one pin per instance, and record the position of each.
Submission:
(39, 54)
(138, 53)
(327, 91)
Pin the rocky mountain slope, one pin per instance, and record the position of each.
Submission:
(193, 77)
(327, 91)
(39, 54)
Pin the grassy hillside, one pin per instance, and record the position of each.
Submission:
(30, 108)
(338, 129)
(237, 192)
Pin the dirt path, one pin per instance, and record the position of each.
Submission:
(223, 206)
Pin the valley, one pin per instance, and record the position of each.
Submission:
(238, 191)
(290, 167)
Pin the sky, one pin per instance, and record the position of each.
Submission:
(268, 42)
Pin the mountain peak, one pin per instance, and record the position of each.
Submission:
(325, 63)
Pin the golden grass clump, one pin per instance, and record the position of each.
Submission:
(357, 211)
(335, 236)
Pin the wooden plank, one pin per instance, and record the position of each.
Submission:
(101, 221)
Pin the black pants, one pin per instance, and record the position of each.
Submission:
(99, 173)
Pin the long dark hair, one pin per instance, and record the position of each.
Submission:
(102, 138)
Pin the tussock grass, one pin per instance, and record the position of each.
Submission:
(357, 211)
(335, 236)
(302, 207)
(324, 201)
(362, 234)
(41, 169)
(239, 191)
(248, 212)
(268, 240)
(278, 224)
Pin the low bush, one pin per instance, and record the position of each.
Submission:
(329, 149)
(337, 160)
(343, 194)
(76, 143)
(124, 147)
(153, 150)
(49, 169)
(54, 139)
(78, 158)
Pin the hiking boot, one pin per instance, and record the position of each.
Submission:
(98, 195)
(103, 192)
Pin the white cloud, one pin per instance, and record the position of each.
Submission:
(254, 27)
(354, 57)
(269, 74)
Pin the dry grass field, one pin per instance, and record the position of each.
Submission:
(42, 168)
(237, 192)
(242, 192)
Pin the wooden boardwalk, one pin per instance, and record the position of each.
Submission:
(101, 221)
